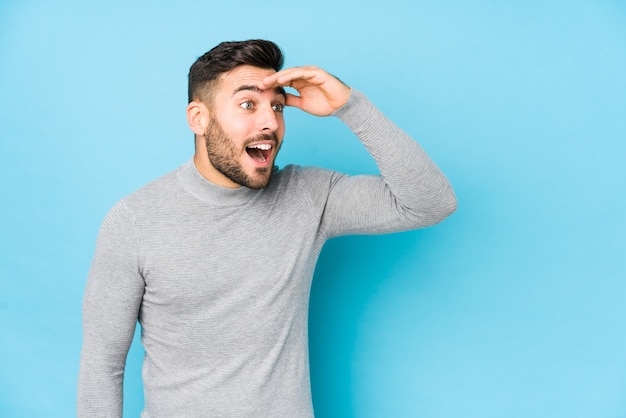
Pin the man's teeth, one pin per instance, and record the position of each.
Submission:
(264, 147)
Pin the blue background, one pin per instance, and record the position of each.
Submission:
(513, 307)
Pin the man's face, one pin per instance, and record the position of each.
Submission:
(246, 128)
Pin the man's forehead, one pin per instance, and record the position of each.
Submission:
(247, 87)
(242, 73)
(246, 78)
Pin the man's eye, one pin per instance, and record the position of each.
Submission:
(248, 105)
(278, 107)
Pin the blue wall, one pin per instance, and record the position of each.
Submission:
(514, 307)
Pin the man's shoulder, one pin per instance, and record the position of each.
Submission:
(161, 189)
(309, 182)
(303, 178)
(295, 172)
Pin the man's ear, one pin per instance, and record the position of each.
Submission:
(198, 117)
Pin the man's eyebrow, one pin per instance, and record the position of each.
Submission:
(245, 87)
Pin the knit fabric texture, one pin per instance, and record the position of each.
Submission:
(219, 279)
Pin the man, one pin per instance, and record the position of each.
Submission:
(215, 259)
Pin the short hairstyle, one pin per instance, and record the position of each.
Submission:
(204, 73)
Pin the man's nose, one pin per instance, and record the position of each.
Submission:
(268, 119)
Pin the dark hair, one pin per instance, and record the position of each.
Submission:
(226, 56)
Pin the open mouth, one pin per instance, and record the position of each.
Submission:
(259, 152)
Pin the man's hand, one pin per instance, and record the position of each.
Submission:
(320, 93)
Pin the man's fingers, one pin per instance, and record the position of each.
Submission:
(319, 93)
(289, 76)
(293, 100)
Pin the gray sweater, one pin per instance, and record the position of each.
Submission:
(219, 279)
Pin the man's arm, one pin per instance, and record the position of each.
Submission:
(110, 308)
(410, 193)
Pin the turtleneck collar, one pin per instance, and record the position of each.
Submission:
(210, 192)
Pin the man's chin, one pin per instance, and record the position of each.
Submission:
(260, 177)
(259, 182)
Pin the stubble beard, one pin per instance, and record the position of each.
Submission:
(224, 156)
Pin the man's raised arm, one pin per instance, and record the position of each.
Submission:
(410, 193)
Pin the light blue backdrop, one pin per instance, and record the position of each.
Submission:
(514, 307)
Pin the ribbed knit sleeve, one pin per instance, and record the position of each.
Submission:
(111, 303)
(410, 193)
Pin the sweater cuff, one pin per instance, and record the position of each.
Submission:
(356, 111)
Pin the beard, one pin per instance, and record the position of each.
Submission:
(224, 156)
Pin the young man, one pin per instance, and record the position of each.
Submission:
(215, 259)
